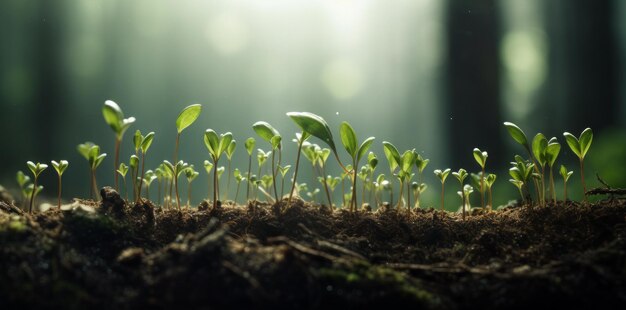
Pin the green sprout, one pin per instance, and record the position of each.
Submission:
(273, 137)
(262, 157)
(489, 181)
(580, 146)
(186, 117)
(148, 179)
(356, 152)
(114, 117)
(481, 159)
(552, 152)
(418, 189)
(230, 151)
(311, 125)
(133, 163)
(266, 183)
(442, 175)
(191, 175)
(465, 193)
(283, 173)
(95, 159)
(461, 175)
(146, 142)
(36, 169)
(520, 137)
(238, 178)
(208, 167)
(313, 194)
(123, 170)
(521, 173)
(406, 174)
(321, 156)
(216, 145)
(22, 181)
(565, 174)
(83, 150)
(540, 148)
(519, 184)
(168, 178)
(394, 161)
(249, 144)
(176, 171)
(421, 164)
(60, 167)
(344, 176)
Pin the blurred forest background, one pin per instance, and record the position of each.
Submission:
(438, 76)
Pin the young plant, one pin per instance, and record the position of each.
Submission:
(123, 170)
(519, 184)
(229, 155)
(565, 174)
(185, 118)
(465, 193)
(238, 179)
(22, 181)
(406, 174)
(36, 169)
(250, 142)
(133, 163)
(60, 168)
(356, 152)
(442, 175)
(540, 148)
(283, 173)
(418, 189)
(461, 175)
(489, 181)
(83, 150)
(580, 146)
(176, 171)
(91, 152)
(311, 125)
(114, 116)
(394, 161)
(420, 164)
(160, 175)
(481, 159)
(216, 147)
(191, 175)
(146, 142)
(148, 178)
(520, 137)
(521, 173)
(372, 162)
(261, 158)
(552, 152)
(208, 167)
(273, 137)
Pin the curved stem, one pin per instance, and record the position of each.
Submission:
(215, 183)
(143, 162)
(353, 203)
(482, 188)
(274, 170)
(32, 196)
(295, 174)
(330, 202)
(582, 179)
(117, 162)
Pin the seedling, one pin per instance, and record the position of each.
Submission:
(565, 174)
(114, 116)
(60, 168)
(406, 174)
(521, 173)
(123, 170)
(540, 147)
(481, 159)
(552, 152)
(238, 179)
(146, 142)
(372, 162)
(160, 175)
(186, 117)
(36, 169)
(421, 164)
(313, 194)
(356, 152)
(176, 171)
(148, 178)
(461, 175)
(83, 150)
(216, 147)
(250, 142)
(520, 137)
(273, 137)
(95, 159)
(519, 184)
(22, 181)
(442, 175)
(465, 193)
(283, 173)
(489, 181)
(262, 157)
(229, 155)
(208, 167)
(418, 189)
(29, 190)
(580, 146)
(394, 161)
(133, 163)
(191, 175)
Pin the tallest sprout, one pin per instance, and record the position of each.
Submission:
(36, 169)
(580, 146)
(356, 151)
(114, 116)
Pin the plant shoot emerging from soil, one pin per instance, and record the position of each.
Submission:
(442, 175)
(114, 117)
(60, 167)
(36, 169)
(580, 146)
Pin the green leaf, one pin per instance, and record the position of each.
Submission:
(225, 140)
(540, 145)
(552, 152)
(208, 166)
(586, 137)
(490, 180)
(392, 154)
(442, 175)
(517, 174)
(516, 133)
(249, 145)
(460, 175)
(212, 141)
(113, 116)
(421, 163)
(36, 169)
(60, 166)
(573, 143)
(123, 169)
(407, 160)
(137, 139)
(265, 130)
(187, 116)
(276, 141)
(231, 149)
(348, 139)
(480, 157)
(134, 161)
(314, 125)
(22, 179)
(147, 141)
(364, 147)
(83, 149)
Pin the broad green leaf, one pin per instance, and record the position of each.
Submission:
(348, 139)
(442, 175)
(276, 142)
(490, 179)
(364, 147)
(585, 141)
(187, 116)
(147, 142)
(460, 175)
(552, 152)
(480, 157)
(516, 174)
(540, 145)
(516, 133)
(314, 125)
(137, 139)
(421, 163)
(265, 130)
(249, 145)
(60, 166)
(113, 116)
(123, 169)
(392, 154)
(83, 149)
(407, 160)
(212, 141)
(134, 161)
(573, 143)
(231, 149)
(225, 140)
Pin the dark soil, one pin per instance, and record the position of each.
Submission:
(111, 256)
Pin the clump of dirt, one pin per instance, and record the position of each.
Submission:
(116, 254)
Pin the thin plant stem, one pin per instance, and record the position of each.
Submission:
(582, 179)
(117, 161)
(274, 170)
(330, 201)
(552, 186)
(248, 180)
(228, 181)
(60, 188)
(189, 195)
(177, 196)
(482, 188)
(564, 190)
(408, 198)
(295, 174)
(143, 162)
(353, 198)
(237, 192)
(214, 183)
(490, 200)
(442, 190)
(32, 196)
